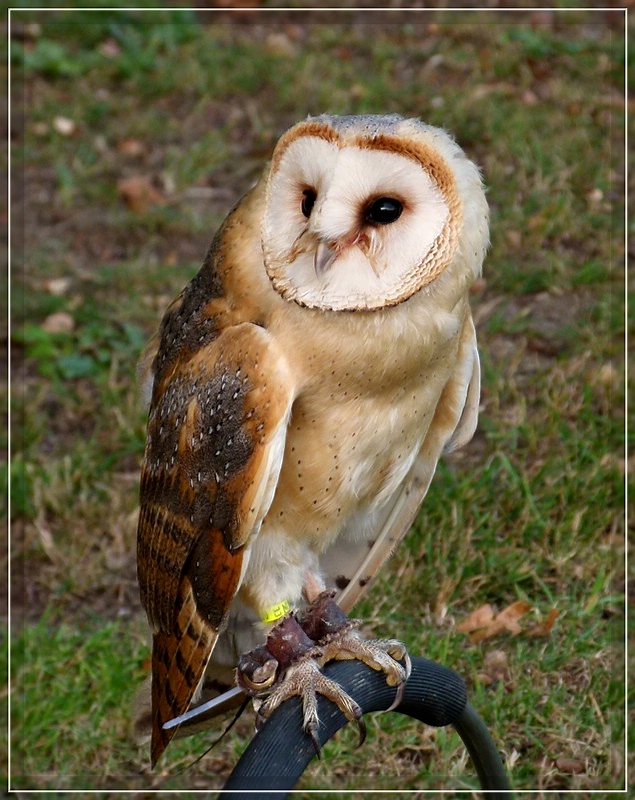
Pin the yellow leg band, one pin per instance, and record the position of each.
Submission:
(276, 612)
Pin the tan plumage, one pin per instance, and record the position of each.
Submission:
(303, 387)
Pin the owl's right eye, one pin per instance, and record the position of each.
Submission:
(308, 201)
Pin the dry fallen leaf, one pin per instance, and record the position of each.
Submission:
(571, 766)
(477, 619)
(57, 286)
(139, 192)
(494, 668)
(64, 126)
(60, 322)
(514, 239)
(543, 628)
(109, 48)
(279, 44)
(482, 625)
(508, 618)
(131, 147)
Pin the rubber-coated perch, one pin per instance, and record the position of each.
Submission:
(281, 751)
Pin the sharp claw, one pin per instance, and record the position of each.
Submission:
(312, 731)
(298, 647)
(401, 689)
(260, 720)
(408, 664)
(362, 731)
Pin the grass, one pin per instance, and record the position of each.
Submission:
(530, 510)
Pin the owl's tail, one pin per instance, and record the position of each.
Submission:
(179, 661)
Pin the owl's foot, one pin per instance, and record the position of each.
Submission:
(339, 639)
(305, 678)
(297, 648)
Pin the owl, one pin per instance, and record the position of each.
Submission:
(302, 388)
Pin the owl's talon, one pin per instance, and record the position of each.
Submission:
(305, 679)
(337, 635)
(291, 661)
(361, 725)
(312, 731)
(401, 688)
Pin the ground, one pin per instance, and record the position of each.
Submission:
(131, 138)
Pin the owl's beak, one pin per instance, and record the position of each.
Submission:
(325, 255)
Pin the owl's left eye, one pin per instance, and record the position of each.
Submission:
(308, 201)
(384, 210)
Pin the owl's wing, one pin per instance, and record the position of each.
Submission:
(215, 440)
(353, 564)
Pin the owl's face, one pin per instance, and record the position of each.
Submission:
(362, 212)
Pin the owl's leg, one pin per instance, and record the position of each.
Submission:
(297, 648)
(340, 640)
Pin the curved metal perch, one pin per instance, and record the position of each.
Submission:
(281, 751)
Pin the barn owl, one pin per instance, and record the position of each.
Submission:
(302, 388)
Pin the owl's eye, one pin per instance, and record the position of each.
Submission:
(383, 211)
(308, 201)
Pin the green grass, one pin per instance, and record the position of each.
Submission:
(530, 510)
(95, 666)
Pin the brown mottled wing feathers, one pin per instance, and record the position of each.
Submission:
(179, 660)
(219, 407)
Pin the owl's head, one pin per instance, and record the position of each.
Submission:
(364, 211)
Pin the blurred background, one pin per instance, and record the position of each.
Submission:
(132, 134)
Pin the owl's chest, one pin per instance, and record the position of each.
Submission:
(350, 442)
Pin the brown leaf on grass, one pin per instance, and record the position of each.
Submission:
(59, 322)
(491, 625)
(571, 766)
(139, 192)
(509, 616)
(279, 44)
(477, 619)
(494, 668)
(57, 286)
(131, 147)
(109, 48)
(514, 239)
(64, 126)
(543, 628)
